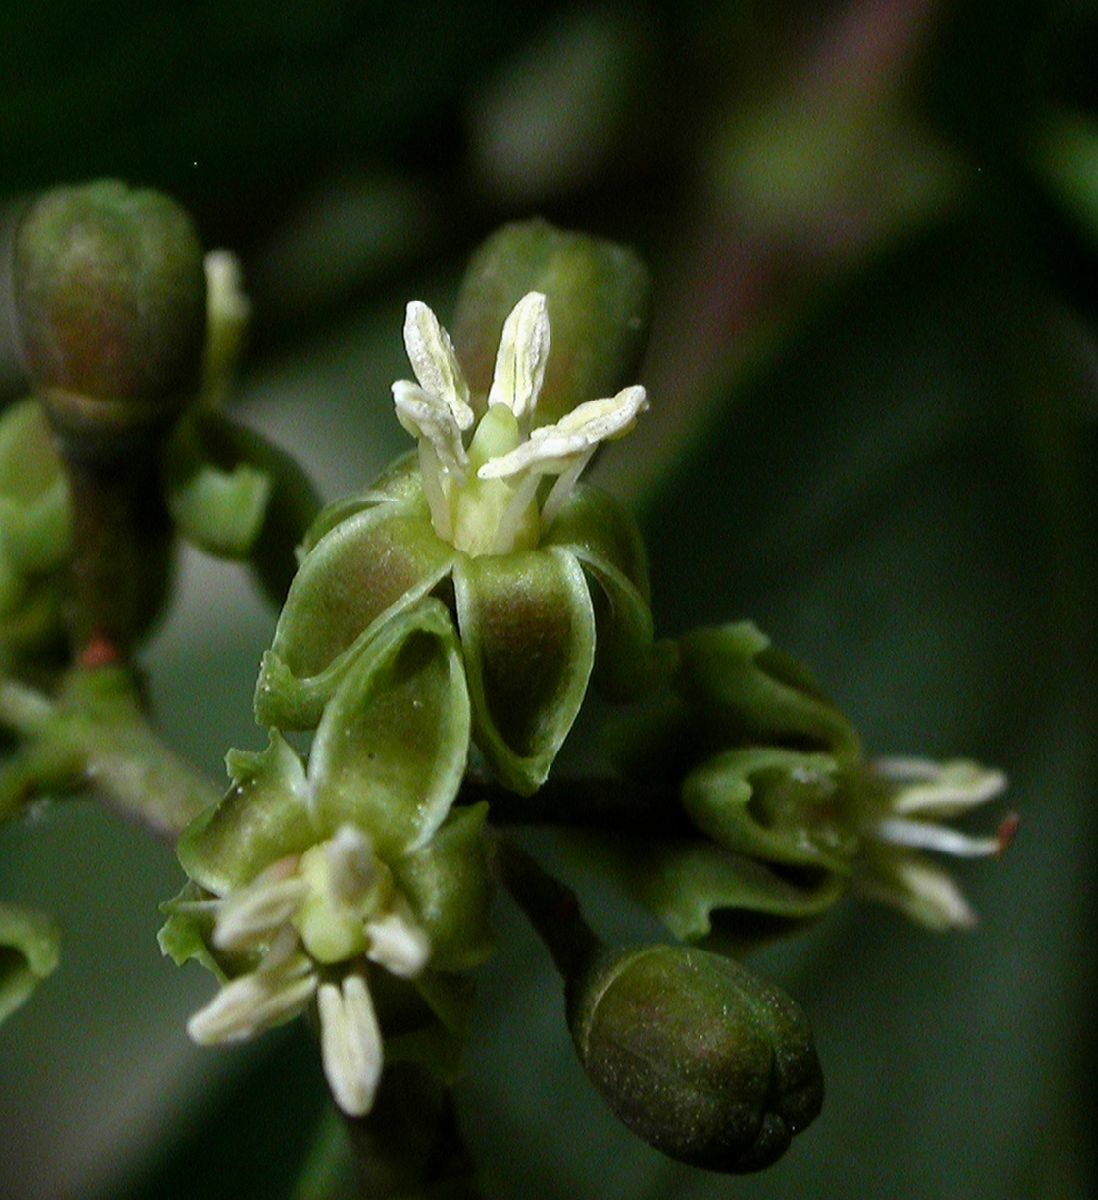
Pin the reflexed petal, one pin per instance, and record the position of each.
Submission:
(703, 892)
(29, 952)
(361, 574)
(263, 817)
(745, 691)
(390, 751)
(528, 635)
(771, 804)
(350, 1044)
(606, 540)
(434, 363)
(448, 886)
(523, 353)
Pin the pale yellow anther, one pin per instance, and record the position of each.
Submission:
(350, 1044)
(522, 356)
(431, 354)
(426, 416)
(398, 944)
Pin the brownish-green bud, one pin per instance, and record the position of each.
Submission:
(696, 1055)
(110, 300)
(598, 305)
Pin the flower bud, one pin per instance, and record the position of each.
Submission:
(110, 303)
(703, 1060)
(598, 301)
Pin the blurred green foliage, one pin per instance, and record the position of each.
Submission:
(874, 389)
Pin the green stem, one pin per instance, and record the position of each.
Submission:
(96, 737)
(121, 548)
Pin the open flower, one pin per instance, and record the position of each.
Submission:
(496, 527)
(306, 882)
(331, 905)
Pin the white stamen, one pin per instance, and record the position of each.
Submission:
(523, 353)
(562, 488)
(435, 489)
(924, 835)
(398, 944)
(256, 912)
(226, 299)
(426, 416)
(550, 448)
(513, 514)
(431, 354)
(350, 1044)
(254, 1002)
(940, 789)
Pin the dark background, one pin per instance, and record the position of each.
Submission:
(873, 228)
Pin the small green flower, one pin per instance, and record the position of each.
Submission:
(501, 530)
(308, 881)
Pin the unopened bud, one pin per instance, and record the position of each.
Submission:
(703, 1060)
(110, 298)
(597, 294)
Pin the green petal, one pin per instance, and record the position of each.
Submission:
(187, 931)
(528, 635)
(358, 576)
(29, 952)
(701, 891)
(744, 690)
(218, 509)
(235, 495)
(771, 804)
(400, 483)
(606, 540)
(448, 885)
(263, 817)
(390, 751)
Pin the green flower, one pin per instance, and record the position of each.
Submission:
(308, 882)
(497, 526)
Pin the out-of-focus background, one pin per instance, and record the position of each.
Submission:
(873, 227)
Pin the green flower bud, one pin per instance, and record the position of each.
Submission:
(703, 1060)
(110, 300)
(598, 307)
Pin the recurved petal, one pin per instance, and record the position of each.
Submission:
(363, 572)
(604, 537)
(263, 817)
(390, 752)
(528, 635)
